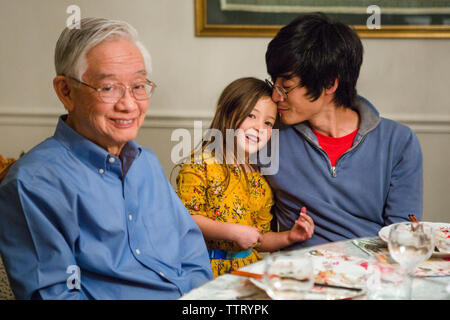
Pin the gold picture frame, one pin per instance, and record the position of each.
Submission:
(204, 29)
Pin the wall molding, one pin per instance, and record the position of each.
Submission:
(172, 119)
(423, 123)
(154, 119)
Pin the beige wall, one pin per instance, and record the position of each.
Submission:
(406, 79)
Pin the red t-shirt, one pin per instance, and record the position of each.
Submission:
(335, 147)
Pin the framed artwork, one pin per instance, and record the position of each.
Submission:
(370, 18)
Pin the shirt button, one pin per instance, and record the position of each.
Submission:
(101, 171)
(162, 274)
(130, 217)
(138, 251)
(112, 160)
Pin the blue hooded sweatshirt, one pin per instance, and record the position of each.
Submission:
(377, 182)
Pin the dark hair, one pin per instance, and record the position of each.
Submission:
(318, 51)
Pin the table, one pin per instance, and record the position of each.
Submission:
(231, 287)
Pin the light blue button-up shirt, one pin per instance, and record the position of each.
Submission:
(71, 217)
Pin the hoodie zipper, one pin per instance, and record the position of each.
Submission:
(333, 171)
(333, 168)
(369, 126)
(319, 148)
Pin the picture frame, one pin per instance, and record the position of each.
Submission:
(211, 21)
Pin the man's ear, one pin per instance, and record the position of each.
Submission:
(63, 91)
(333, 87)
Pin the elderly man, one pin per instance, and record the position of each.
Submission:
(354, 170)
(88, 213)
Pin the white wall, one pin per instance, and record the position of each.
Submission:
(406, 79)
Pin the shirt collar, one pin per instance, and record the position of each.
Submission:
(89, 152)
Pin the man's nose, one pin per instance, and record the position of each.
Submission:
(127, 102)
(276, 97)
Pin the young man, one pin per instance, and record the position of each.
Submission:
(354, 170)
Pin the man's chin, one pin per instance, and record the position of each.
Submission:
(285, 119)
(123, 139)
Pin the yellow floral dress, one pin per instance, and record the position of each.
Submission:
(201, 189)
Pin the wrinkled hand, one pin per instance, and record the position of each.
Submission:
(303, 227)
(246, 236)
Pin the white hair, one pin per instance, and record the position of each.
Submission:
(73, 44)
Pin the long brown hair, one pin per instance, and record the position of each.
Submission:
(234, 105)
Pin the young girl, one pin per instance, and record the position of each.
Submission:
(231, 202)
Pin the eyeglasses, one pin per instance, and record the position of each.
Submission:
(142, 90)
(280, 90)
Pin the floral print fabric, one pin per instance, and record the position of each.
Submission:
(202, 188)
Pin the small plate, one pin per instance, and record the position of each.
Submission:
(316, 293)
(332, 268)
(441, 236)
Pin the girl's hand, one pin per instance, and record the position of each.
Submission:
(303, 228)
(246, 236)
